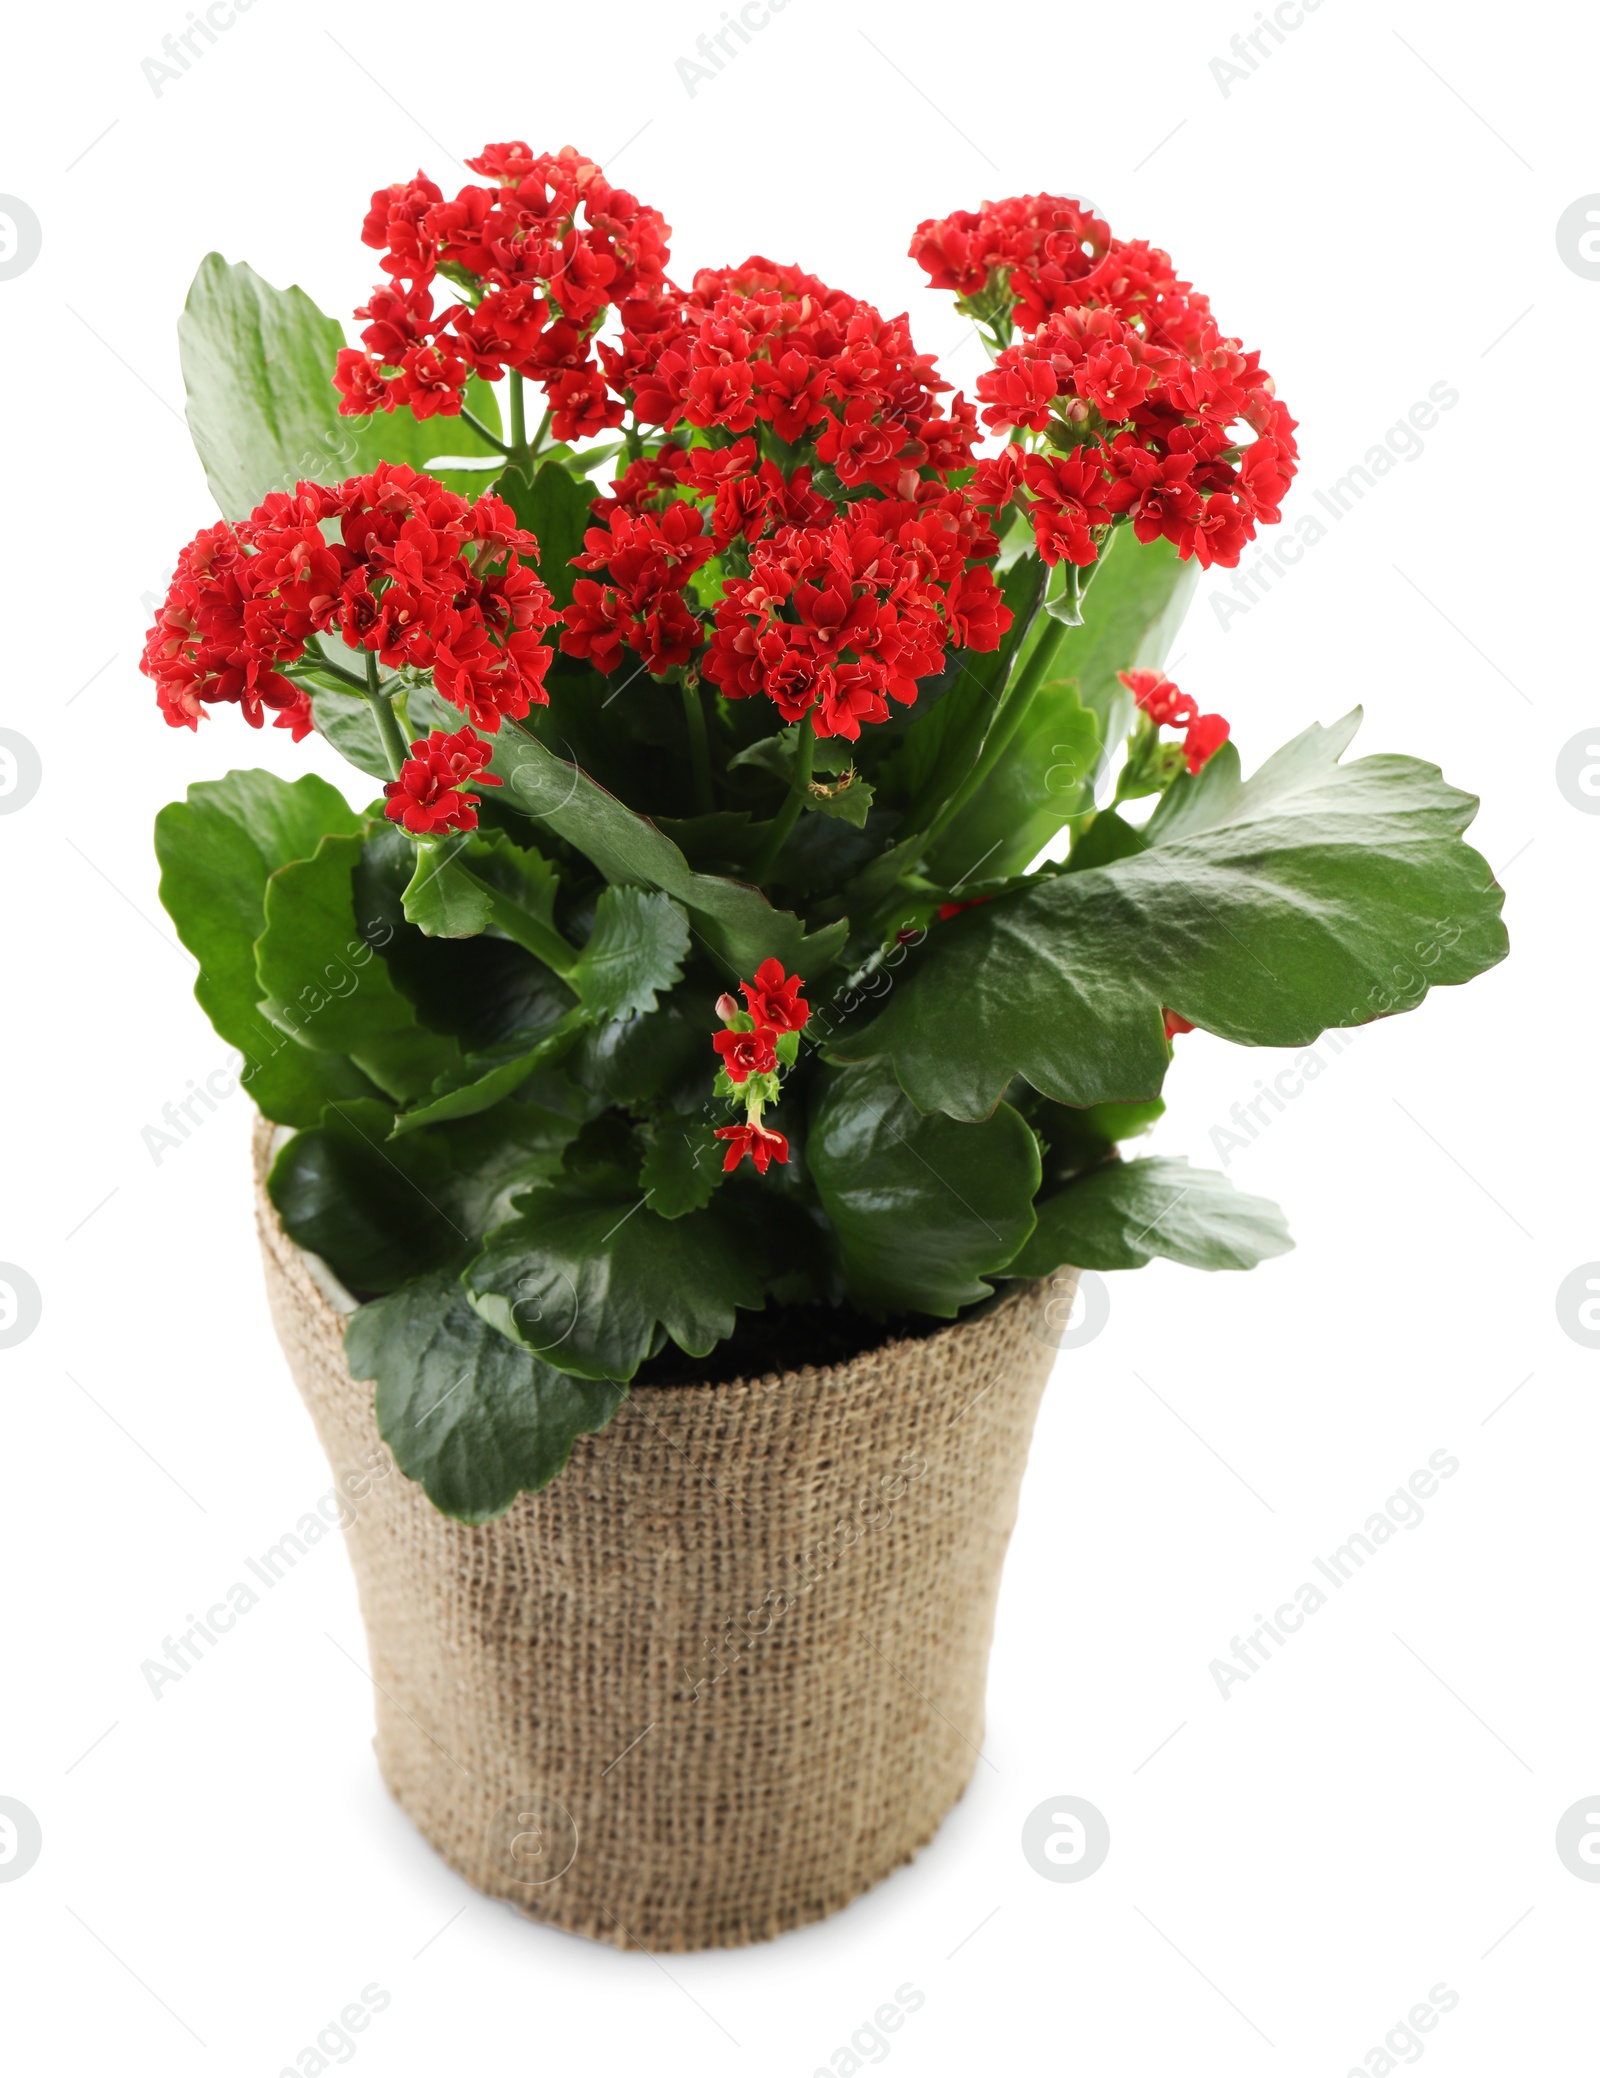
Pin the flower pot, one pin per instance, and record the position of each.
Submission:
(727, 1671)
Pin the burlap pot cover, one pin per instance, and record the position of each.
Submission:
(727, 1671)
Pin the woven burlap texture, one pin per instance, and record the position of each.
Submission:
(727, 1671)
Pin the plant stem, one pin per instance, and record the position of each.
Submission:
(319, 656)
(395, 747)
(482, 431)
(1014, 708)
(785, 819)
(519, 422)
(1019, 698)
(699, 750)
(532, 933)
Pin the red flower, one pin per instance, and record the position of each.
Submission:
(550, 245)
(756, 1141)
(418, 575)
(430, 795)
(1123, 359)
(1175, 1024)
(1159, 698)
(775, 999)
(747, 1053)
(1168, 708)
(1207, 734)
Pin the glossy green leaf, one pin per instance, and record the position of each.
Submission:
(922, 1208)
(635, 952)
(324, 981)
(474, 1419)
(1045, 777)
(263, 412)
(1132, 609)
(380, 1209)
(585, 1278)
(554, 507)
(484, 991)
(346, 721)
(941, 747)
(1264, 910)
(218, 850)
(661, 1057)
(1120, 1215)
(442, 900)
(484, 1080)
(377, 1214)
(1132, 612)
(1103, 840)
(735, 922)
(682, 1168)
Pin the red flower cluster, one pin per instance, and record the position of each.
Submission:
(1040, 249)
(539, 257)
(1125, 370)
(418, 575)
(850, 597)
(748, 1045)
(1159, 698)
(430, 794)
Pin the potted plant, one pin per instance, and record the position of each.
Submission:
(706, 1063)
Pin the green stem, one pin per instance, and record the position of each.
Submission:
(519, 422)
(395, 747)
(539, 434)
(319, 656)
(1016, 701)
(786, 817)
(1014, 712)
(699, 749)
(478, 427)
(532, 933)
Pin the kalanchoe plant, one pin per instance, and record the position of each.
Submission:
(736, 953)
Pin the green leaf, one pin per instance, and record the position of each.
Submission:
(662, 1056)
(1131, 610)
(1313, 894)
(736, 922)
(636, 950)
(1131, 616)
(1123, 1213)
(440, 899)
(380, 1210)
(263, 412)
(1105, 839)
(682, 1168)
(554, 507)
(482, 1081)
(1073, 1141)
(922, 1208)
(848, 800)
(377, 1214)
(585, 1277)
(941, 746)
(1045, 777)
(324, 982)
(347, 722)
(485, 992)
(473, 1418)
(218, 849)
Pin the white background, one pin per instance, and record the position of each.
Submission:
(1370, 1815)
